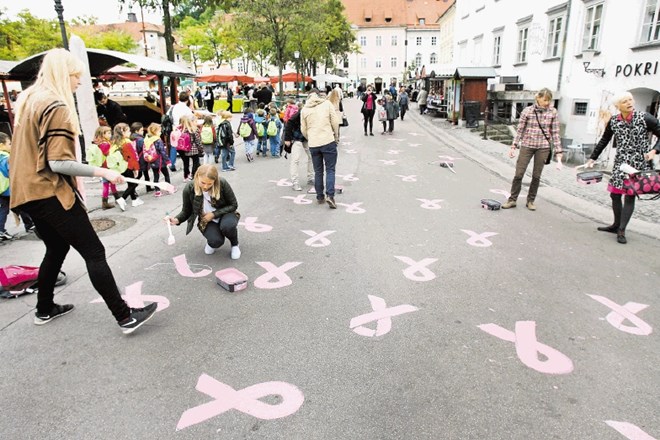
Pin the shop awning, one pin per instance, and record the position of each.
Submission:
(475, 72)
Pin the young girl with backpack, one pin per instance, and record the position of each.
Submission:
(209, 139)
(193, 147)
(262, 138)
(273, 130)
(102, 141)
(155, 154)
(137, 137)
(121, 141)
(247, 129)
(226, 141)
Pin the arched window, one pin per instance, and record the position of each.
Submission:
(418, 59)
(433, 59)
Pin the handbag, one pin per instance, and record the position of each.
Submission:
(643, 182)
(552, 145)
(344, 121)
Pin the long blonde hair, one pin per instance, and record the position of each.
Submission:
(53, 81)
(334, 97)
(188, 123)
(210, 172)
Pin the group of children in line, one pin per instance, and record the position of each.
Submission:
(5, 193)
(262, 130)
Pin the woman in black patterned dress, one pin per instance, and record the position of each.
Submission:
(630, 131)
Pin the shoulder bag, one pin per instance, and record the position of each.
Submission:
(552, 145)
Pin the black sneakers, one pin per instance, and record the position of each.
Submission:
(56, 311)
(137, 318)
(331, 202)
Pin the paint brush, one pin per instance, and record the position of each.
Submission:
(168, 187)
(170, 240)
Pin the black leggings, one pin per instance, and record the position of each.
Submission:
(130, 189)
(622, 211)
(369, 118)
(60, 230)
(187, 172)
(216, 233)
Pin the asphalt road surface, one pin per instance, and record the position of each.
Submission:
(409, 312)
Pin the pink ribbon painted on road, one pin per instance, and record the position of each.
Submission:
(417, 270)
(349, 151)
(628, 430)
(394, 151)
(414, 145)
(381, 314)
(505, 193)
(528, 348)
(353, 208)
(348, 177)
(251, 225)
(430, 203)
(387, 162)
(317, 240)
(276, 273)
(479, 240)
(281, 182)
(411, 178)
(626, 312)
(183, 268)
(245, 400)
(298, 200)
(135, 299)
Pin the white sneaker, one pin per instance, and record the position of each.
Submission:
(297, 187)
(235, 253)
(137, 202)
(208, 250)
(121, 203)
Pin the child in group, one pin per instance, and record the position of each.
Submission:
(260, 121)
(5, 149)
(391, 113)
(290, 109)
(121, 141)
(137, 137)
(273, 130)
(156, 157)
(226, 141)
(247, 129)
(209, 139)
(210, 200)
(189, 126)
(102, 138)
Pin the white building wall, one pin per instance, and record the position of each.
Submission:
(428, 49)
(363, 65)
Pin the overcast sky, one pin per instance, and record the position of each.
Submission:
(107, 11)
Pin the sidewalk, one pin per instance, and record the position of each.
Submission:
(558, 187)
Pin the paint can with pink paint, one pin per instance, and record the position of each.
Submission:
(231, 279)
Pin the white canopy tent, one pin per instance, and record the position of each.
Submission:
(330, 78)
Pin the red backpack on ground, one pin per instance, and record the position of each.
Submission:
(18, 280)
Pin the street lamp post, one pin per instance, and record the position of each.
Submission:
(296, 55)
(60, 17)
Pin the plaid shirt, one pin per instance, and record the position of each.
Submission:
(529, 132)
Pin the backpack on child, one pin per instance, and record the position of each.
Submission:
(207, 134)
(115, 161)
(261, 129)
(245, 130)
(149, 152)
(272, 128)
(180, 139)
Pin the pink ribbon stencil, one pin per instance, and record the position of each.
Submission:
(298, 200)
(415, 134)
(348, 177)
(353, 208)
(346, 143)
(245, 400)
(387, 162)
(135, 299)
(527, 348)
(251, 225)
(381, 314)
(626, 312)
(184, 269)
(479, 240)
(317, 240)
(628, 430)
(350, 151)
(394, 151)
(448, 158)
(281, 279)
(505, 193)
(281, 182)
(414, 145)
(394, 140)
(417, 270)
(411, 178)
(430, 203)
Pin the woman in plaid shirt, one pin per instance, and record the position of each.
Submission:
(538, 128)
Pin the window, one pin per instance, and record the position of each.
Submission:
(592, 24)
(379, 40)
(554, 37)
(393, 62)
(580, 108)
(422, 21)
(379, 63)
(346, 63)
(418, 41)
(651, 22)
(476, 50)
(497, 49)
(363, 41)
(239, 66)
(433, 58)
(395, 40)
(363, 62)
(461, 51)
(434, 41)
(521, 54)
(418, 60)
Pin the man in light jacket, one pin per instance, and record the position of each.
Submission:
(319, 124)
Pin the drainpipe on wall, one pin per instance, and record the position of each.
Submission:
(563, 44)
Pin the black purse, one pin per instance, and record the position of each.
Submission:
(552, 145)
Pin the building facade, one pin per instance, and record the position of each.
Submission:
(586, 51)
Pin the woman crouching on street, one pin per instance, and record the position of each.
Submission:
(630, 131)
(210, 199)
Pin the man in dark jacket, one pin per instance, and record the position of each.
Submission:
(263, 95)
(296, 144)
(111, 111)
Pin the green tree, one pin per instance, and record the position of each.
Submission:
(27, 35)
(111, 40)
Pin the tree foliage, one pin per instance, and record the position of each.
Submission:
(111, 40)
(27, 35)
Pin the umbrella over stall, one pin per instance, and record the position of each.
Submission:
(224, 75)
(291, 77)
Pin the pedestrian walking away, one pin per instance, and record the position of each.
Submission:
(43, 164)
(296, 145)
(368, 110)
(630, 129)
(538, 132)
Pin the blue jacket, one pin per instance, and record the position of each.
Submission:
(4, 173)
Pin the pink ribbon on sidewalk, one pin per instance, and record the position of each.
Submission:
(381, 314)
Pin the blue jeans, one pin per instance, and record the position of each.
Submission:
(324, 155)
(262, 146)
(274, 145)
(228, 158)
(173, 158)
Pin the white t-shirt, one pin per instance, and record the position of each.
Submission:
(180, 109)
(207, 205)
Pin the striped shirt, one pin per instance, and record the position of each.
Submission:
(529, 132)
